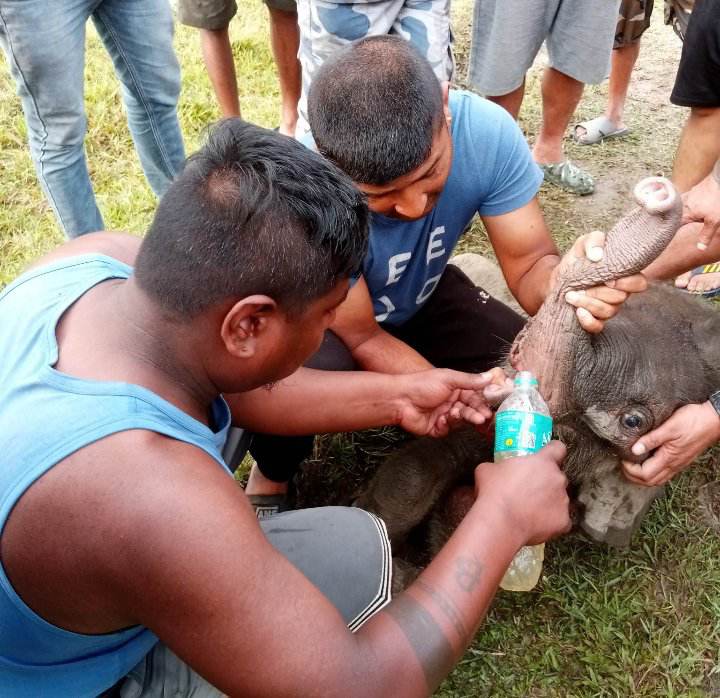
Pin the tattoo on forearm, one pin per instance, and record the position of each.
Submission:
(448, 607)
(467, 573)
(429, 644)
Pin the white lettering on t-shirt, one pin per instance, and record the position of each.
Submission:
(435, 245)
(427, 289)
(394, 269)
(389, 307)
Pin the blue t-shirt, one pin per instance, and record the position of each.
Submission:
(492, 173)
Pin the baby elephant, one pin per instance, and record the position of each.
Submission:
(604, 391)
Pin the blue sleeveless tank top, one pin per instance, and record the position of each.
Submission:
(45, 416)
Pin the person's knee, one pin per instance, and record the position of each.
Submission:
(57, 135)
(283, 16)
(705, 114)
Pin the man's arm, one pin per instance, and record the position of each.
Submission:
(423, 403)
(371, 346)
(697, 241)
(182, 554)
(702, 204)
(529, 260)
(525, 251)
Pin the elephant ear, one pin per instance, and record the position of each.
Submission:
(705, 334)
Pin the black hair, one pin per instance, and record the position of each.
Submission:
(374, 108)
(252, 212)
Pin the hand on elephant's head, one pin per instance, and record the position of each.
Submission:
(597, 304)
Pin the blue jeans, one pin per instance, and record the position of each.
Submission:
(45, 46)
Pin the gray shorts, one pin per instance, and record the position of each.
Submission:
(507, 35)
(344, 552)
(326, 26)
(216, 14)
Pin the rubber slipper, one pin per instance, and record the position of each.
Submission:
(569, 177)
(266, 505)
(598, 129)
(713, 268)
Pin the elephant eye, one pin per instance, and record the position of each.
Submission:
(632, 421)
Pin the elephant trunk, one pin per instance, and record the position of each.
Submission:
(553, 341)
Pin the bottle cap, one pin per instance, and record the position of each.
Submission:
(525, 379)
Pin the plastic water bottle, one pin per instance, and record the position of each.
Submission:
(523, 425)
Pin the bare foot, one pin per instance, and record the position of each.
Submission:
(702, 283)
(682, 280)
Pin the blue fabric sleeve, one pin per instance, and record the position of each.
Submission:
(517, 176)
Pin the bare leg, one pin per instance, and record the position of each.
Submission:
(682, 254)
(560, 95)
(623, 62)
(220, 65)
(512, 101)
(285, 42)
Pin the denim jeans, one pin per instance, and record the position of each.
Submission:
(44, 43)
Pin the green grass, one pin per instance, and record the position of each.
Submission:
(641, 622)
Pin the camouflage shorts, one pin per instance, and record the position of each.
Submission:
(327, 26)
(677, 13)
(634, 19)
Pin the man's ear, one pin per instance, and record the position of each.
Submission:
(445, 87)
(245, 322)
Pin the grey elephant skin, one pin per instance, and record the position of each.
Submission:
(604, 391)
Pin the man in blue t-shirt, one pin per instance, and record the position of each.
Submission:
(428, 159)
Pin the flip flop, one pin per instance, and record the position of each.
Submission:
(713, 268)
(569, 177)
(598, 129)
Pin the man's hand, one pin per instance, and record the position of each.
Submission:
(701, 204)
(532, 490)
(679, 440)
(435, 401)
(600, 303)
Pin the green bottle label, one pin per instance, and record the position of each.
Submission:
(522, 431)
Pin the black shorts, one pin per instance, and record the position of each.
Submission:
(460, 327)
(698, 78)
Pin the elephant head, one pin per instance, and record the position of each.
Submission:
(607, 390)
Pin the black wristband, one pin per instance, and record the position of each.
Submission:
(715, 401)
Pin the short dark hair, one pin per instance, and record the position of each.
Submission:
(374, 108)
(252, 212)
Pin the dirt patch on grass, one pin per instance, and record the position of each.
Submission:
(709, 503)
(617, 164)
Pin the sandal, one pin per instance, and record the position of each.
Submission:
(267, 505)
(705, 269)
(569, 177)
(597, 130)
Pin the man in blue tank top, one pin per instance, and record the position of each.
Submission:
(132, 563)
(429, 160)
